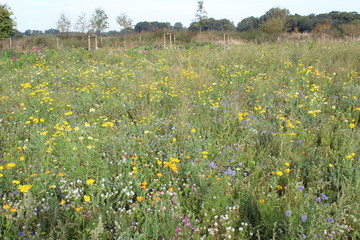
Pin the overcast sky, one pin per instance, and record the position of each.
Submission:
(43, 14)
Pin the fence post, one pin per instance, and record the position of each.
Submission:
(170, 41)
(89, 43)
(10, 42)
(164, 40)
(57, 42)
(96, 42)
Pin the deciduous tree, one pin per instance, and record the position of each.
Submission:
(201, 14)
(99, 21)
(7, 24)
(124, 21)
(63, 24)
(82, 24)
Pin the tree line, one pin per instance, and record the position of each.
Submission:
(274, 21)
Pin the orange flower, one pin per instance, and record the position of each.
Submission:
(139, 199)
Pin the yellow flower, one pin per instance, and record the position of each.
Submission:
(62, 202)
(159, 174)
(174, 160)
(22, 158)
(24, 188)
(139, 199)
(87, 198)
(78, 209)
(10, 165)
(261, 200)
(68, 113)
(193, 130)
(6, 206)
(61, 174)
(16, 182)
(90, 182)
(279, 173)
(352, 125)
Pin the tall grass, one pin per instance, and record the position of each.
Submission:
(203, 142)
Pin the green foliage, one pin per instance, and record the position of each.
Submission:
(215, 142)
(7, 24)
(210, 24)
(99, 21)
(124, 21)
(63, 24)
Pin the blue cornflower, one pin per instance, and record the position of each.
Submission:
(230, 172)
(300, 188)
(288, 213)
(303, 218)
(323, 196)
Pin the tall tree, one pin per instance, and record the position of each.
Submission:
(82, 25)
(99, 21)
(63, 24)
(248, 24)
(124, 21)
(201, 14)
(274, 21)
(178, 26)
(7, 24)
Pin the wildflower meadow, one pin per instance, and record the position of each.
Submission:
(203, 141)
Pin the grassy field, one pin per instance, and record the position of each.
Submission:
(208, 142)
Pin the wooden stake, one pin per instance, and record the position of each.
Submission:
(96, 43)
(89, 43)
(10, 42)
(57, 42)
(170, 41)
(164, 40)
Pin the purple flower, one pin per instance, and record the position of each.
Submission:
(300, 188)
(323, 196)
(303, 236)
(288, 213)
(212, 165)
(230, 172)
(331, 220)
(303, 218)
